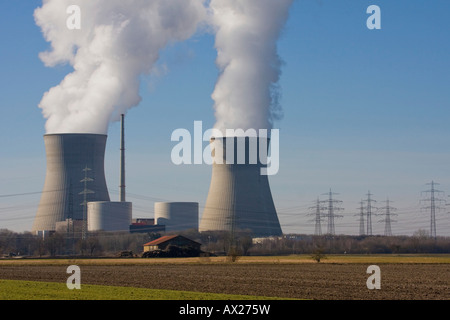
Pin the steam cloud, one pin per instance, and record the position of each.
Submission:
(246, 93)
(118, 42)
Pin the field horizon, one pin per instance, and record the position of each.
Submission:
(293, 258)
(336, 277)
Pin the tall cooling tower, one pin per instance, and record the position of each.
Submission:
(75, 174)
(239, 196)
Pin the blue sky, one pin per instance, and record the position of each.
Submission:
(363, 110)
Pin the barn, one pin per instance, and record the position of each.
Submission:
(175, 240)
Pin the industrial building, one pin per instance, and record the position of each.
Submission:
(75, 192)
(75, 186)
(109, 216)
(144, 225)
(177, 216)
(69, 226)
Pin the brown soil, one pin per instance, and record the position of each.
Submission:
(304, 281)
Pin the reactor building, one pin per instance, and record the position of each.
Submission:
(177, 216)
(239, 196)
(109, 216)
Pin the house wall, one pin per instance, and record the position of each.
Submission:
(150, 248)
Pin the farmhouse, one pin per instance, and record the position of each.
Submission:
(175, 240)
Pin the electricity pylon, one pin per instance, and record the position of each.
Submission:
(85, 192)
(317, 217)
(331, 206)
(369, 208)
(433, 207)
(361, 218)
(387, 218)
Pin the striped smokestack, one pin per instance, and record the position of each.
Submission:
(122, 160)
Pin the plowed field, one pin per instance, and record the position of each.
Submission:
(322, 281)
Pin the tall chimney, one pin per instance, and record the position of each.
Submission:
(122, 160)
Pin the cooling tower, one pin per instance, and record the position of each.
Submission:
(75, 174)
(239, 196)
(177, 216)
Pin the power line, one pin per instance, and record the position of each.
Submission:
(413, 213)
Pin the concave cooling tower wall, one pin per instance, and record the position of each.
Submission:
(239, 196)
(67, 157)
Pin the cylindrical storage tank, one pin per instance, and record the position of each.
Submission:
(109, 216)
(239, 196)
(177, 216)
(71, 159)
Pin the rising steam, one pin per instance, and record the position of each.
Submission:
(246, 93)
(119, 41)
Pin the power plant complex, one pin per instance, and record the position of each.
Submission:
(75, 195)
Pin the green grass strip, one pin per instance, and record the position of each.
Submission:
(37, 290)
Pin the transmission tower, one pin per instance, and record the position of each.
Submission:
(433, 206)
(70, 211)
(317, 217)
(85, 192)
(387, 218)
(369, 208)
(361, 218)
(70, 227)
(331, 206)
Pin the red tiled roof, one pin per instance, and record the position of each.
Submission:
(160, 240)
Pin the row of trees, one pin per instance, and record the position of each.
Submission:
(220, 243)
(419, 242)
(352, 245)
(61, 244)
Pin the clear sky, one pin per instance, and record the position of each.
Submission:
(363, 110)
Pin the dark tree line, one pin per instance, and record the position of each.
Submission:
(243, 243)
(61, 244)
(218, 243)
(306, 244)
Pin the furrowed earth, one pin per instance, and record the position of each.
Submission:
(321, 281)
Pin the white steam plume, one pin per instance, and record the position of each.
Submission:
(118, 42)
(247, 31)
